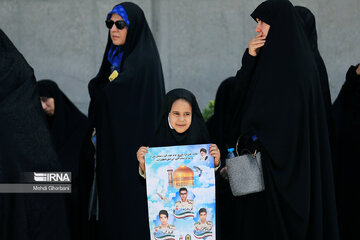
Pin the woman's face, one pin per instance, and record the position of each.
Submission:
(180, 115)
(118, 36)
(48, 104)
(262, 27)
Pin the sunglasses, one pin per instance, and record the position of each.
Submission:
(121, 24)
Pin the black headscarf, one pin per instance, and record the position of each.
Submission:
(25, 146)
(68, 127)
(284, 108)
(197, 132)
(346, 113)
(125, 113)
(67, 118)
(309, 25)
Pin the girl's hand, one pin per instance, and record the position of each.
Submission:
(141, 157)
(215, 152)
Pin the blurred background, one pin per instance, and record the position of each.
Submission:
(201, 42)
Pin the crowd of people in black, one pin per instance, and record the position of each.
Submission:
(281, 95)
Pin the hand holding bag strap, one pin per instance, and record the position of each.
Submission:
(253, 155)
(237, 145)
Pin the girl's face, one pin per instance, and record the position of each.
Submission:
(180, 115)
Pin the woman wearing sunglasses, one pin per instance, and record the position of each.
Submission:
(126, 96)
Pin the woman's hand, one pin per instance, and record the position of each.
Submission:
(141, 157)
(358, 70)
(255, 44)
(215, 152)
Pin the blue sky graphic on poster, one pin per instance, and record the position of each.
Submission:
(180, 184)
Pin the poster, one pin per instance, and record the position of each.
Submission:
(180, 183)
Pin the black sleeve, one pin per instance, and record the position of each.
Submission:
(350, 87)
(348, 96)
(247, 68)
(239, 93)
(243, 77)
(355, 85)
(351, 84)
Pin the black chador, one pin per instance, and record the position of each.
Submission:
(68, 128)
(124, 111)
(25, 146)
(284, 108)
(346, 115)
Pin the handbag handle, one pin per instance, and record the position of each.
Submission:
(236, 148)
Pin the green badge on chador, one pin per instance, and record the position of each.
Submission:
(188, 237)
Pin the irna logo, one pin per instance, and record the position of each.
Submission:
(51, 177)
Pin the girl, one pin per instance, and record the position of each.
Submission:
(181, 123)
